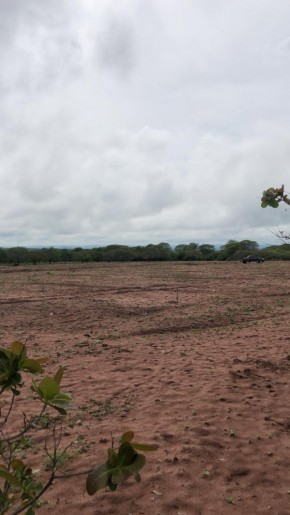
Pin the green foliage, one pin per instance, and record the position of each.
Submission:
(232, 250)
(23, 487)
(236, 249)
(49, 392)
(17, 255)
(120, 465)
(207, 251)
(276, 252)
(271, 197)
(12, 362)
(20, 489)
(188, 252)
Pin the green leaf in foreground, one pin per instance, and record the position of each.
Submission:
(49, 391)
(119, 466)
(127, 437)
(10, 478)
(98, 478)
(123, 472)
(18, 348)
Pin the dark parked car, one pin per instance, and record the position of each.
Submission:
(252, 259)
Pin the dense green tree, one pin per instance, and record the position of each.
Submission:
(248, 245)
(228, 250)
(65, 255)
(276, 252)
(97, 254)
(82, 255)
(152, 252)
(189, 252)
(207, 251)
(139, 253)
(118, 253)
(18, 255)
(52, 255)
(3, 256)
(192, 252)
(236, 249)
(37, 256)
(179, 251)
(165, 251)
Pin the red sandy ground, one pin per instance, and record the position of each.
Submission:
(204, 375)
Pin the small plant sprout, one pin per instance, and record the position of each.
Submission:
(230, 500)
(120, 465)
(205, 474)
(233, 433)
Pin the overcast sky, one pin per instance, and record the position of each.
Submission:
(141, 121)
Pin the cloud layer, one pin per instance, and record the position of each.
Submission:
(142, 121)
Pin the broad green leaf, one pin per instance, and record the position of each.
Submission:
(62, 398)
(264, 204)
(273, 203)
(5, 352)
(98, 478)
(10, 478)
(18, 348)
(61, 402)
(122, 473)
(126, 454)
(137, 464)
(33, 365)
(48, 388)
(58, 375)
(17, 465)
(112, 457)
(3, 377)
(5, 359)
(144, 447)
(127, 437)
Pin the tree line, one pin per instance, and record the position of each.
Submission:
(232, 250)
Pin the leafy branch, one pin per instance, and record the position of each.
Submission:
(19, 489)
(273, 196)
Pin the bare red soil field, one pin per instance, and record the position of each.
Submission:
(192, 356)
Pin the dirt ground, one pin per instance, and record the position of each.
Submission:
(192, 356)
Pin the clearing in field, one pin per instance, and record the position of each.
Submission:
(192, 356)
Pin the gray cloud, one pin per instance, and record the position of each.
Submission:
(142, 121)
(115, 46)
